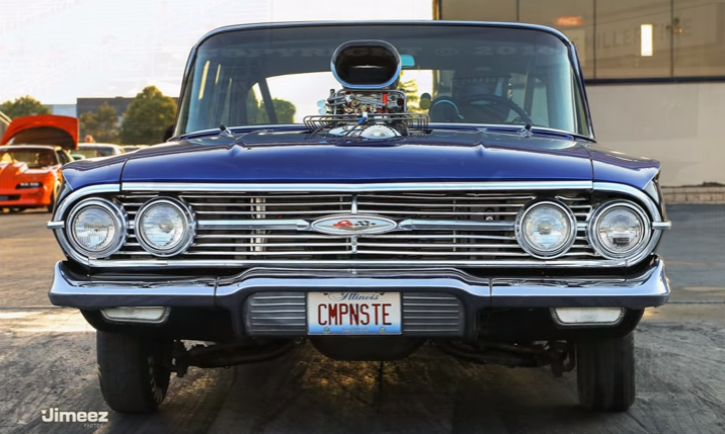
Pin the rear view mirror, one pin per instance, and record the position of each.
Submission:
(407, 61)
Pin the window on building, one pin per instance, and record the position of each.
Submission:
(698, 38)
(574, 18)
(621, 39)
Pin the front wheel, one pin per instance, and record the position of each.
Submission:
(606, 373)
(133, 372)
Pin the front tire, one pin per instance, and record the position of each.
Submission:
(606, 373)
(133, 372)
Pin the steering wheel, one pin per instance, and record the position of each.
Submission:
(469, 99)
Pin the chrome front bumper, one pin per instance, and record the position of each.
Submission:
(646, 289)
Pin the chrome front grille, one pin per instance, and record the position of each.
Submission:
(285, 313)
(431, 226)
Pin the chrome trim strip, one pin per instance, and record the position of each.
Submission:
(216, 263)
(281, 225)
(661, 226)
(55, 225)
(356, 188)
(455, 225)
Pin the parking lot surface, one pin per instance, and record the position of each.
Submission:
(47, 361)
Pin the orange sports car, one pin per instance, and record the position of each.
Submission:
(35, 148)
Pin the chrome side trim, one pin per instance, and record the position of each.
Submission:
(55, 225)
(356, 188)
(661, 226)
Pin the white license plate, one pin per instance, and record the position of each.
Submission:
(353, 313)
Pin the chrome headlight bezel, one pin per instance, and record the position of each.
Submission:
(118, 216)
(596, 218)
(527, 246)
(189, 227)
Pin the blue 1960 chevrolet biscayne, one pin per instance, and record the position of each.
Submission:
(367, 187)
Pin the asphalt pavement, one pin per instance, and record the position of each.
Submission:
(47, 361)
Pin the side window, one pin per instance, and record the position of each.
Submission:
(530, 93)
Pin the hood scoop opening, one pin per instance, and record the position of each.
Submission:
(369, 106)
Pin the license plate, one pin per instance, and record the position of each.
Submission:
(353, 313)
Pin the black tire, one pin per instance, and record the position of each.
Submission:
(606, 373)
(133, 372)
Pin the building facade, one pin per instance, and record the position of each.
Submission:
(655, 72)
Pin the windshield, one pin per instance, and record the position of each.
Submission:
(491, 75)
(33, 157)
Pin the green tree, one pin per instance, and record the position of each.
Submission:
(410, 87)
(23, 106)
(101, 124)
(147, 117)
(285, 112)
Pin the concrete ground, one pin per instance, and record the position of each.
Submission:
(47, 360)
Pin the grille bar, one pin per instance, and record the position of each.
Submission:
(430, 226)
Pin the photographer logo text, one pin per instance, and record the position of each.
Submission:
(54, 415)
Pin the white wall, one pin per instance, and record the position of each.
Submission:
(681, 125)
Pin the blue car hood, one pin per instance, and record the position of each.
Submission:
(444, 155)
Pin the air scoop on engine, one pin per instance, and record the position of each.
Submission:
(369, 105)
(366, 65)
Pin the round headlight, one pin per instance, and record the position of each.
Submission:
(97, 227)
(619, 230)
(546, 229)
(164, 227)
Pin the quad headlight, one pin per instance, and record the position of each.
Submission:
(165, 226)
(97, 227)
(619, 230)
(546, 229)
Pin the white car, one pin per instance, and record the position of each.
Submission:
(93, 150)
